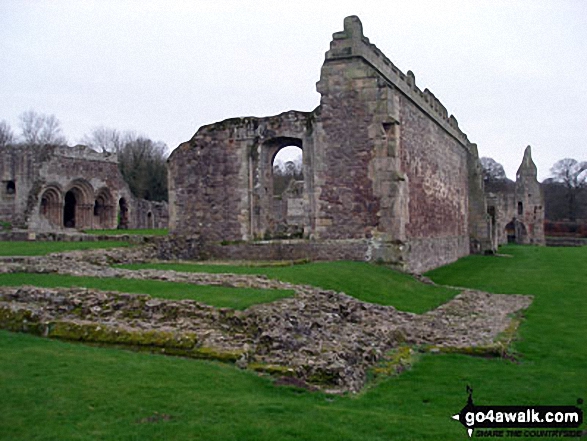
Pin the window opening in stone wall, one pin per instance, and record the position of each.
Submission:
(69, 210)
(520, 208)
(287, 167)
(10, 187)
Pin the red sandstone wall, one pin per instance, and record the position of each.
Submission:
(436, 167)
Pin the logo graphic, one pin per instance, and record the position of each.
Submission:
(516, 417)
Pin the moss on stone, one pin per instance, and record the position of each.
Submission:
(395, 362)
(21, 320)
(272, 369)
(323, 378)
(216, 354)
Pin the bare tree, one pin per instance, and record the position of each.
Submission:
(6, 135)
(40, 129)
(104, 139)
(494, 177)
(572, 174)
(492, 170)
(143, 164)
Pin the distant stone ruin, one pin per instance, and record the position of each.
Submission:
(516, 210)
(388, 174)
(55, 188)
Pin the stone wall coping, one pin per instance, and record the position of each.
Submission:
(351, 43)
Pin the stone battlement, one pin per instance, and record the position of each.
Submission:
(352, 43)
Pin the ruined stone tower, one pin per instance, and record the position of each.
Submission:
(517, 209)
(388, 174)
(529, 203)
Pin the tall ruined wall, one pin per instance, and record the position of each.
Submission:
(384, 166)
(530, 202)
(220, 182)
(394, 164)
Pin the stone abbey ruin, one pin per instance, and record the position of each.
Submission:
(388, 175)
(51, 188)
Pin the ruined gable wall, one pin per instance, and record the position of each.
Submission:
(220, 181)
(529, 194)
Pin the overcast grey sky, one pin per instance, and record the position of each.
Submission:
(512, 72)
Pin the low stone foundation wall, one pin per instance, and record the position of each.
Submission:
(291, 250)
(26, 236)
(319, 337)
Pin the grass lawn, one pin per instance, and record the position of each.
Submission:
(220, 296)
(41, 248)
(370, 283)
(56, 390)
(142, 232)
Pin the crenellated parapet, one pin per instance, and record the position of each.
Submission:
(351, 43)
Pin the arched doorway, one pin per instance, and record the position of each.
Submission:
(122, 214)
(104, 209)
(516, 231)
(69, 209)
(78, 205)
(51, 206)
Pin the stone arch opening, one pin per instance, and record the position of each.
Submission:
(78, 205)
(69, 209)
(287, 167)
(284, 189)
(104, 209)
(10, 187)
(123, 214)
(51, 205)
(150, 220)
(516, 231)
(510, 231)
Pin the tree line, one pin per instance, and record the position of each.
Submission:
(565, 191)
(142, 161)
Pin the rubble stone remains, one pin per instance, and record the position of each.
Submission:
(388, 175)
(58, 188)
(316, 338)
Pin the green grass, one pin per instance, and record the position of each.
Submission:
(55, 390)
(41, 248)
(135, 232)
(220, 296)
(370, 283)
